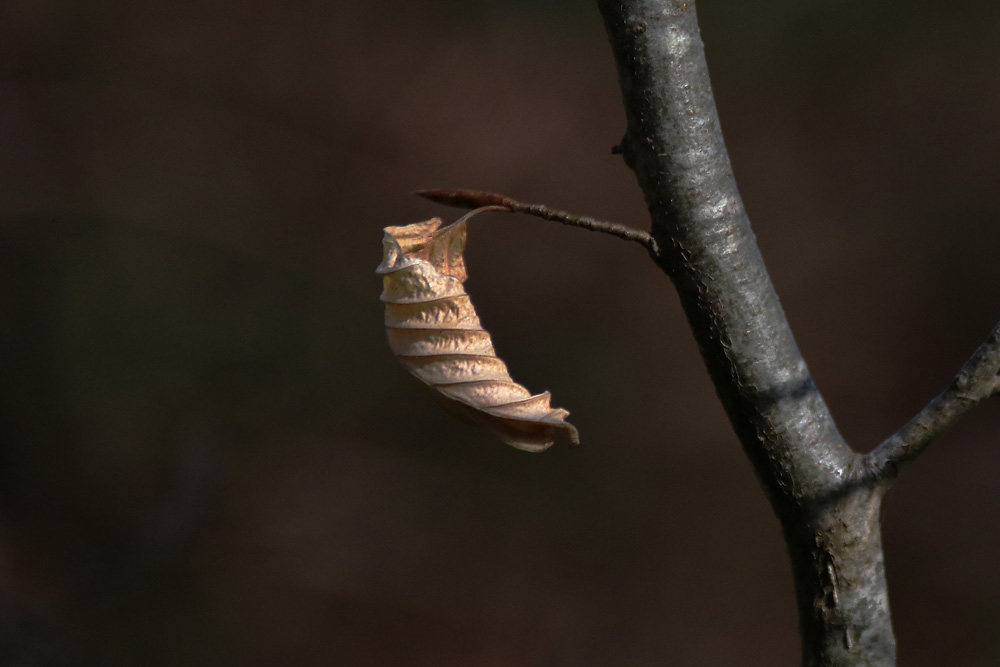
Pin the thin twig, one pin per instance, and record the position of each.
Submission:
(977, 381)
(497, 202)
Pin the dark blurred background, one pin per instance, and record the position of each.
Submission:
(208, 455)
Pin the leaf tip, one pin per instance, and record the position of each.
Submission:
(574, 435)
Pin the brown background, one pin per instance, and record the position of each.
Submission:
(209, 457)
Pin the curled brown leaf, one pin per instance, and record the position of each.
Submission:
(435, 333)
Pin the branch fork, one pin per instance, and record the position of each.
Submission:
(977, 381)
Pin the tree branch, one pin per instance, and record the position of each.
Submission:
(497, 202)
(829, 514)
(674, 144)
(977, 381)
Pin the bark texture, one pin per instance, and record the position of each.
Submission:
(828, 506)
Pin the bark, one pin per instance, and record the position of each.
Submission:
(822, 492)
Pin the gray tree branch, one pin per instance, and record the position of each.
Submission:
(829, 512)
(978, 380)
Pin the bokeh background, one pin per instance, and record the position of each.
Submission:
(209, 457)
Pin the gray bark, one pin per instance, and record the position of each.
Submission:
(828, 506)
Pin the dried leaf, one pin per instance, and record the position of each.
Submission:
(435, 333)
